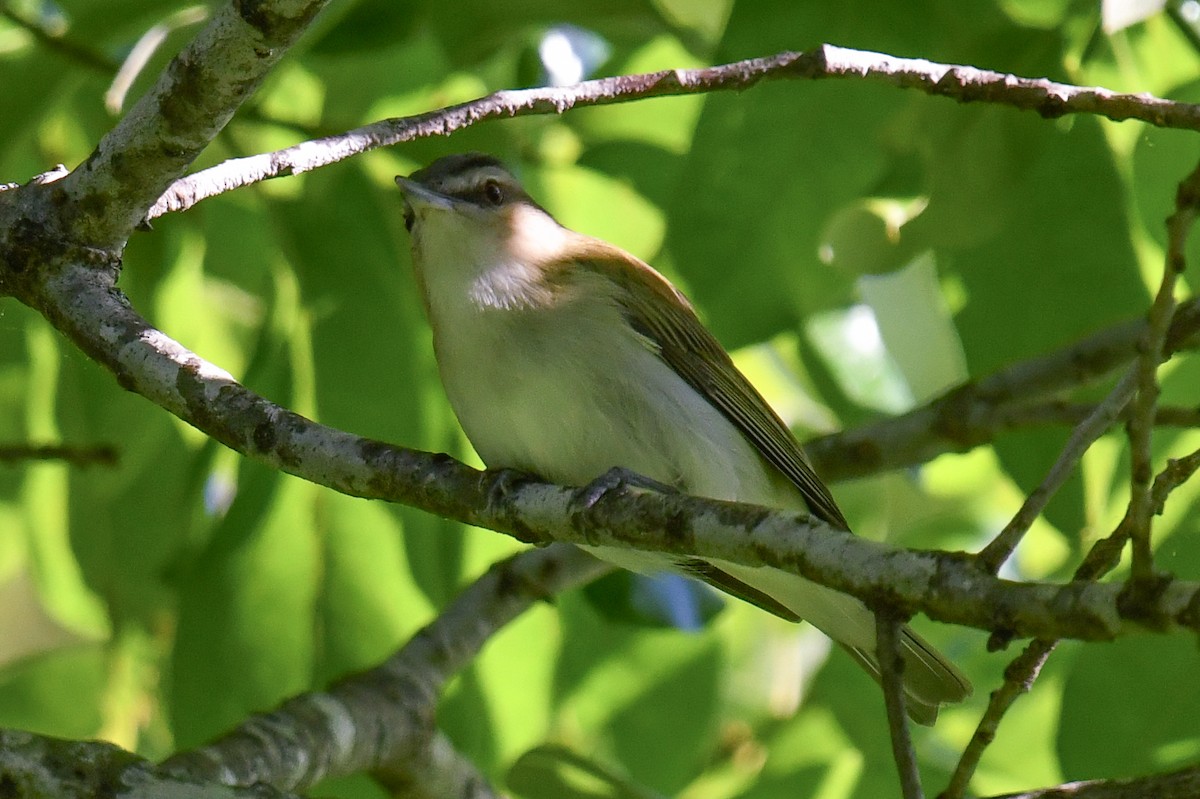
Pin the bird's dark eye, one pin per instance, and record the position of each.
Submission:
(493, 193)
(409, 218)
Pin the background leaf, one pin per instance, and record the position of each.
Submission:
(185, 587)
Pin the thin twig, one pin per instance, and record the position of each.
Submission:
(102, 454)
(1177, 472)
(993, 556)
(891, 675)
(1140, 385)
(1181, 784)
(53, 40)
(1019, 677)
(1061, 412)
(974, 413)
(962, 83)
(1021, 673)
(1141, 421)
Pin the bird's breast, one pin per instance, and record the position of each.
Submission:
(570, 391)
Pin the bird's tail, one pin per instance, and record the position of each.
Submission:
(930, 679)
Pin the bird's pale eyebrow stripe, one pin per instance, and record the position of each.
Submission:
(469, 181)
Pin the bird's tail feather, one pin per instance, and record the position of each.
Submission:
(930, 679)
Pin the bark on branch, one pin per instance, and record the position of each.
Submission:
(962, 83)
(347, 729)
(946, 586)
(61, 240)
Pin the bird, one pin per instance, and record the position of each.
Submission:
(564, 356)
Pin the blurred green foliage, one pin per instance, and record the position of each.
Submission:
(186, 588)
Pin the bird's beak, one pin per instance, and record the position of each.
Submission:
(417, 196)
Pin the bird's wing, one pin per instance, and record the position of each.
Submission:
(657, 311)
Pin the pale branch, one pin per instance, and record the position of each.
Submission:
(434, 769)
(947, 587)
(1181, 784)
(105, 198)
(975, 412)
(83, 303)
(891, 677)
(962, 83)
(1153, 344)
(348, 729)
(39, 766)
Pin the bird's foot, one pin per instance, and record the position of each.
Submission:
(615, 479)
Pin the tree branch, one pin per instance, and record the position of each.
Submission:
(1082, 437)
(1021, 673)
(945, 586)
(1019, 677)
(107, 196)
(39, 766)
(347, 729)
(891, 677)
(1177, 472)
(962, 83)
(1150, 356)
(1182, 784)
(973, 413)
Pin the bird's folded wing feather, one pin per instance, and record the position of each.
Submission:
(666, 319)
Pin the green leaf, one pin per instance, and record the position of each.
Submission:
(555, 772)
(52, 532)
(651, 170)
(807, 755)
(638, 686)
(58, 693)
(244, 639)
(916, 328)
(661, 600)
(368, 25)
(1055, 263)
(476, 29)
(369, 603)
(747, 216)
(124, 536)
(483, 714)
(1161, 160)
(1129, 708)
(582, 200)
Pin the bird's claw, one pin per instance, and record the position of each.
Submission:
(506, 482)
(617, 478)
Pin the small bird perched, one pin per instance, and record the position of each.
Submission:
(565, 356)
